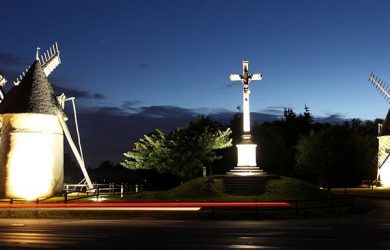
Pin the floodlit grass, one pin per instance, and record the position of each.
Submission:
(287, 188)
(204, 189)
(200, 189)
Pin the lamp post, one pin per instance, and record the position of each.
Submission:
(246, 149)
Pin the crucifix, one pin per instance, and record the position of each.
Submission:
(245, 78)
(246, 150)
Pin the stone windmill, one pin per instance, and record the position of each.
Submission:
(383, 161)
(32, 128)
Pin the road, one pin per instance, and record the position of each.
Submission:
(368, 231)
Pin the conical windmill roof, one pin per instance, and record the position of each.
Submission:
(386, 125)
(34, 94)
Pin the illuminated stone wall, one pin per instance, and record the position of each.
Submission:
(384, 171)
(31, 156)
(246, 155)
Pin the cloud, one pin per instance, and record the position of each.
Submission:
(274, 110)
(11, 66)
(165, 111)
(98, 96)
(8, 60)
(109, 131)
(109, 111)
(330, 118)
(131, 106)
(143, 65)
(81, 94)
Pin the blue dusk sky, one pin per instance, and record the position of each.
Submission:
(134, 66)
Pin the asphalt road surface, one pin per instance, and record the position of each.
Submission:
(368, 231)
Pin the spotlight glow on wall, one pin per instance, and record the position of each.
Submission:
(246, 154)
(383, 173)
(33, 157)
(28, 180)
(385, 176)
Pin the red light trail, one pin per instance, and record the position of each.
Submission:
(146, 204)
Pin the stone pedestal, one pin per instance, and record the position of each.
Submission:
(246, 185)
(246, 177)
(246, 158)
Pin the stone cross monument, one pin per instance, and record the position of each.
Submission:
(246, 149)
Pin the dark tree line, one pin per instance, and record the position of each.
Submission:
(322, 153)
(325, 154)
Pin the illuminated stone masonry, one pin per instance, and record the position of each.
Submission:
(246, 178)
(246, 149)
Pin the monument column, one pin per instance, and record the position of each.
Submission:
(246, 149)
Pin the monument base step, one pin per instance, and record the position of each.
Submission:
(246, 184)
(246, 170)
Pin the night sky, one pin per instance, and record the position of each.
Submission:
(135, 66)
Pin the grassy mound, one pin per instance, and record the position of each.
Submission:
(207, 189)
(290, 188)
(203, 188)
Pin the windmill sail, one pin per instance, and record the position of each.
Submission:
(21, 76)
(3, 81)
(49, 61)
(380, 86)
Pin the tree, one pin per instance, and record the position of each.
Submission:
(150, 152)
(183, 152)
(335, 156)
(314, 158)
(236, 124)
(291, 128)
(272, 154)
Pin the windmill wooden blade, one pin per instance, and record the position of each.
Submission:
(3, 81)
(380, 86)
(49, 61)
(20, 77)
